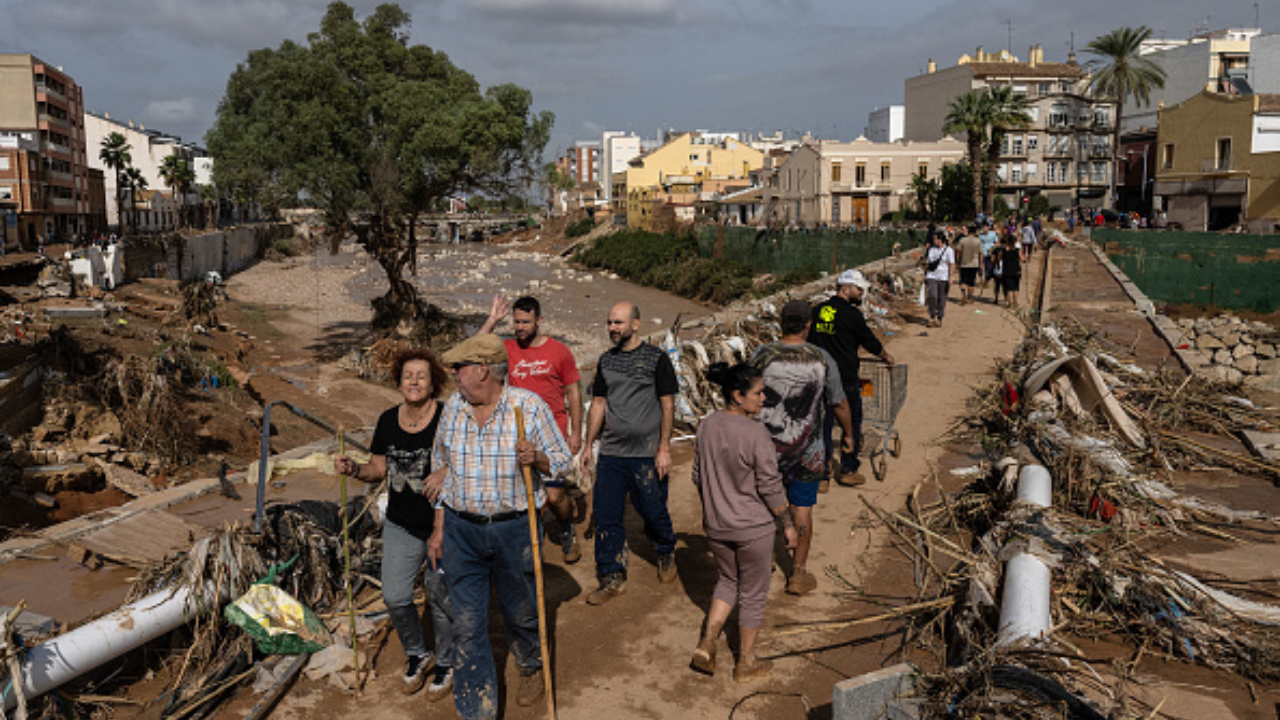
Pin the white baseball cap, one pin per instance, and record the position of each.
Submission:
(853, 277)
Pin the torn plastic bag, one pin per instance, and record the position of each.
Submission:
(277, 622)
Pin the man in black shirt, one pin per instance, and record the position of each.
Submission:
(840, 329)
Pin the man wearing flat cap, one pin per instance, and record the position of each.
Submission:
(840, 328)
(478, 458)
(801, 381)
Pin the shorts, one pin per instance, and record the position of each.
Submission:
(802, 490)
(1012, 283)
(969, 276)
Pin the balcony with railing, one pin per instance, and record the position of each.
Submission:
(51, 92)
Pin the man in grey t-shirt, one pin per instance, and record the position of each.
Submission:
(632, 411)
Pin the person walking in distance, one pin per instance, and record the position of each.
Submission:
(736, 472)
(799, 378)
(401, 452)
(632, 411)
(1009, 258)
(940, 264)
(970, 264)
(477, 471)
(989, 240)
(839, 327)
(545, 366)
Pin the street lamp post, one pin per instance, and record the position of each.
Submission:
(1143, 152)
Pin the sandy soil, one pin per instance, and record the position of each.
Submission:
(630, 658)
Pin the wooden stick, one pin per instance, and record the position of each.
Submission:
(537, 571)
(815, 625)
(346, 567)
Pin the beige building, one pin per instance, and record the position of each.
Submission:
(856, 183)
(1218, 162)
(1064, 154)
(147, 150)
(688, 169)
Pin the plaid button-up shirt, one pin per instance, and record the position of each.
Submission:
(484, 476)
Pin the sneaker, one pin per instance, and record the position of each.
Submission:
(611, 586)
(441, 683)
(531, 689)
(851, 479)
(748, 670)
(667, 568)
(704, 657)
(824, 485)
(415, 672)
(801, 582)
(572, 552)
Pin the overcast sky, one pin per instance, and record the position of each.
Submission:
(635, 65)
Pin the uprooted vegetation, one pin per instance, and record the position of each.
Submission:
(1114, 508)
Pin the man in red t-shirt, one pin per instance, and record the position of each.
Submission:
(544, 365)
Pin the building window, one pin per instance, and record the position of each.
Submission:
(1102, 115)
(1058, 116)
(1015, 145)
(885, 170)
(1033, 143)
(923, 169)
(860, 174)
(1046, 88)
(1099, 172)
(1032, 171)
(1166, 156)
(1016, 172)
(1223, 158)
(835, 172)
(6, 191)
(1051, 172)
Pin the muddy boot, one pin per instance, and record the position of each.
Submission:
(611, 586)
(753, 669)
(704, 656)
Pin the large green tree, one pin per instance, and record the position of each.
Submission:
(373, 131)
(1007, 111)
(134, 182)
(1127, 75)
(115, 154)
(970, 114)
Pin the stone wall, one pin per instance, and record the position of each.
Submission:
(186, 258)
(1236, 349)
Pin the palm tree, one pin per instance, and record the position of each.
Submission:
(1126, 75)
(115, 155)
(1007, 111)
(135, 182)
(970, 114)
(177, 174)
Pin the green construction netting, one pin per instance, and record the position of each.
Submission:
(816, 251)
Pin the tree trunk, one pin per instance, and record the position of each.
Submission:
(993, 170)
(1115, 153)
(975, 171)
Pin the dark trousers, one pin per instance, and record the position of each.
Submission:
(849, 462)
(616, 478)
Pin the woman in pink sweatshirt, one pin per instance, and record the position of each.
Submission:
(735, 469)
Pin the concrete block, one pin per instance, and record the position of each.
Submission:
(868, 697)
(31, 625)
(74, 313)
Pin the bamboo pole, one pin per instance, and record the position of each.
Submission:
(346, 568)
(537, 572)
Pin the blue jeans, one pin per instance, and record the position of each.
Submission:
(849, 462)
(475, 556)
(615, 478)
(402, 558)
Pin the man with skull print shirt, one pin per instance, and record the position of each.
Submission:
(798, 378)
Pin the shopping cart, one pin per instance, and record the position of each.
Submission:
(884, 391)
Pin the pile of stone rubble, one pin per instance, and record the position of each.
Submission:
(1237, 348)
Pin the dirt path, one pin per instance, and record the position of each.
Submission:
(630, 658)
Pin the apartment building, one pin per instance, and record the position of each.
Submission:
(1217, 61)
(1218, 162)
(886, 124)
(147, 151)
(1064, 154)
(688, 169)
(44, 181)
(617, 150)
(840, 184)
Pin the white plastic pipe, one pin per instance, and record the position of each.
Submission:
(66, 657)
(1035, 486)
(1024, 607)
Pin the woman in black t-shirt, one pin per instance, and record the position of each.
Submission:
(401, 453)
(1011, 279)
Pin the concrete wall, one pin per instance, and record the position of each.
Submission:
(178, 258)
(1264, 64)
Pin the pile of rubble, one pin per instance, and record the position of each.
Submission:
(1237, 348)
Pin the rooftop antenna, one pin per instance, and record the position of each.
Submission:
(1256, 22)
(1009, 43)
